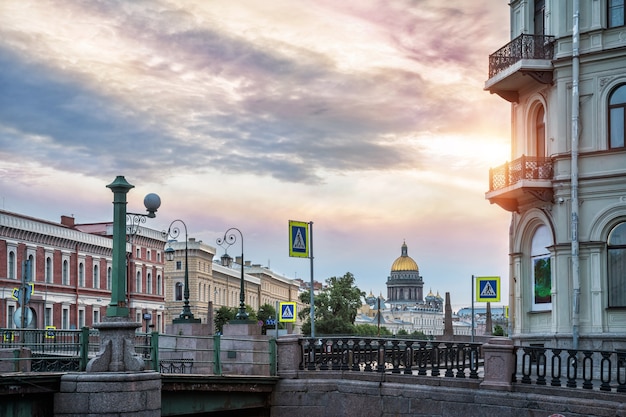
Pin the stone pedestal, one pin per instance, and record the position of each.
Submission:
(499, 364)
(121, 394)
(289, 352)
(244, 349)
(189, 342)
(117, 347)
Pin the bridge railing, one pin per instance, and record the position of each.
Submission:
(45, 350)
(588, 369)
(405, 356)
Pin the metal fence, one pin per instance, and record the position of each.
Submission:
(412, 357)
(588, 369)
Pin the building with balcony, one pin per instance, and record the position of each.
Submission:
(565, 185)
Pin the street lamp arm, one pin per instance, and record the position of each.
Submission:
(186, 316)
(227, 241)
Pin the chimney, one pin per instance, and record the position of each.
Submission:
(68, 221)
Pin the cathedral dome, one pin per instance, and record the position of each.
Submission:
(404, 262)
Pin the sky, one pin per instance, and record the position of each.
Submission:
(367, 118)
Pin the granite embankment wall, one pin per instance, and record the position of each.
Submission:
(341, 394)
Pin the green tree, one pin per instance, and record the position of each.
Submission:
(336, 306)
(265, 312)
(223, 316)
(371, 330)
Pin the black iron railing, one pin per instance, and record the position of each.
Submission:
(524, 168)
(522, 47)
(412, 357)
(589, 369)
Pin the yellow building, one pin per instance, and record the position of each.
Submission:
(212, 285)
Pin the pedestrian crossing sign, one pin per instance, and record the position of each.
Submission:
(487, 289)
(287, 312)
(298, 239)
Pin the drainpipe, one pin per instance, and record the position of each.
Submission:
(574, 176)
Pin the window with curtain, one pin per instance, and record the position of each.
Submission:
(541, 270)
(616, 263)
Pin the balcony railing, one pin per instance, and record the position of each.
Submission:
(524, 168)
(522, 47)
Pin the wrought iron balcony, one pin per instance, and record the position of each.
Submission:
(525, 55)
(516, 180)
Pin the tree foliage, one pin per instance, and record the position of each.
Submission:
(223, 316)
(336, 306)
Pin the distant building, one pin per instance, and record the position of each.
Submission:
(405, 307)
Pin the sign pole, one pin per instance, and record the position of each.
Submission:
(473, 308)
(312, 280)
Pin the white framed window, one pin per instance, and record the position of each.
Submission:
(541, 270)
(81, 274)
(96, 276)
(96, 314)
(616, 265)
(65, 318)
(49, 269)
(159, 285)
(48, 316)
(138, 282)
(149, 283)
(109, 277)
(65, 272)
(11, 263)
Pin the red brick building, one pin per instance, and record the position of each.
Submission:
(70, 267)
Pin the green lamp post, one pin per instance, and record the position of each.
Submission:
(120, 187)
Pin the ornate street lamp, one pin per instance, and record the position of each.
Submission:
(186, 316)
(120, 188)
(227, 241)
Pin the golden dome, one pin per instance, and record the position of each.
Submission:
(404, 262)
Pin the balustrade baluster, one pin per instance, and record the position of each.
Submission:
(605, 371)
(435, 358)
(408, 358)
(588, 369)
(382, 354)
(474, 356)
(526, 365)
(540, 355)
(422, 358)
(621, 371)
(449, 359)
(555, 372)
(395, 356)
(460, 360)
(369, 354)
(572, 368)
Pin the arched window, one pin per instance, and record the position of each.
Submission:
(109, 278)
(541, 270)
(540, 133)
(138, 282)
(81, 275)
(178, 291)
(49, 270)
(149, 283)
(159, 284)
(96, 276)
(11, 272)
(617, 266)
(617, 111)
(65, 274)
